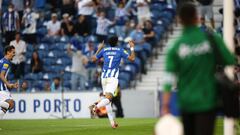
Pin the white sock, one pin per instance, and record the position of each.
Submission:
(103, 102)
(2, 113)
(110, 113)
(4, 105)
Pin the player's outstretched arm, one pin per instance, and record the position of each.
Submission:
(100, 47)
(132, 55)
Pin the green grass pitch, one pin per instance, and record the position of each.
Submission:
(83, 127)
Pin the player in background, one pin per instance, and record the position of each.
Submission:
(112, 57)
(6, 101)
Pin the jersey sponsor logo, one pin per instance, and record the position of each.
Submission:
(200, 49)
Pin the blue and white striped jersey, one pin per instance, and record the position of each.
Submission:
(4, 66)
(9, 21)
(112, 58)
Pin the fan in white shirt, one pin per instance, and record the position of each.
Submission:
(18, 60)
(53, 26)
(143, 11)
(85, 7)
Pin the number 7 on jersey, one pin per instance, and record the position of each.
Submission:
(111, 60)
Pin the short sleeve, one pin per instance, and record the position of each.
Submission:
(100, 54)
(171, 61)
(5, 67)
(124, 54)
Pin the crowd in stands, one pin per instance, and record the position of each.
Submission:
(55, 39)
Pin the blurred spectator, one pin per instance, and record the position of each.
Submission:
(206, 10)
(25, 87)
(56, 84)
(29, 22)
(129, 27)
(47, 87)
(137, 36)
(237, 74)
(108, 6)
(102, 27)
(149, 34)
(36, 63)
(68, 7)
(97, 77)
(10, 24)
(117, 102)
(143, 11)
(121, 16)
(81, 26)
(67, 26)
(91, 67)
(18, 61)
(78, 70)
(53, 26)
(19, 7)
(86, 8)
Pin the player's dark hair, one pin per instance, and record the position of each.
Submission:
(8, 49)
(113, 41)
(187, 12)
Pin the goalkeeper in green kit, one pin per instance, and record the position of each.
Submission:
(190, 60)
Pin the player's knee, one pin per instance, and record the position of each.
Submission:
(11, 103)
(109, 96)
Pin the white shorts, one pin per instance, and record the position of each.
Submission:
(4, 95)
(206, 11)
(109, 85)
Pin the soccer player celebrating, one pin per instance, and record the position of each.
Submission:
(112, 57)
(6, 101)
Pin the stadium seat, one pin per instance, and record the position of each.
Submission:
(30, 48)
(43, 46)
(125, 76)
(42, 53)
(123, 84)
(31, 76)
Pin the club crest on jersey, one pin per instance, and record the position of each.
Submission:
(5, 65)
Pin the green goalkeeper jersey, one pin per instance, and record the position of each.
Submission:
(191, 60)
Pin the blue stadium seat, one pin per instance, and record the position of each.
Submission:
(38, 85)
(43, 46)
(123, 84)
(41, 32)
(124, 76)
(66, 85)
(49, 61)
(66, 61)
(67, 76)
(30, 48)
(42, 53)
(27, 68)
(136, 64)
(60, 46)
(31, 76)
(58, 68)
(131, 69)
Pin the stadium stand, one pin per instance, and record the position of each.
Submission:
(53, 50)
